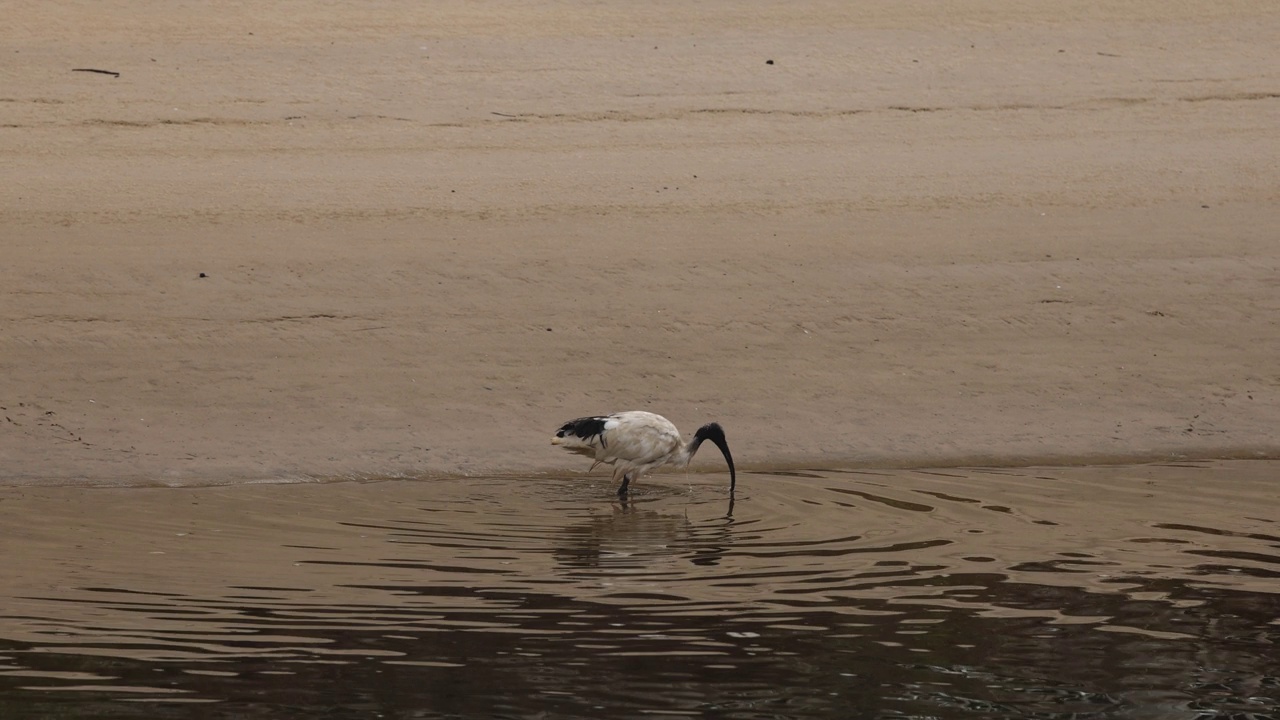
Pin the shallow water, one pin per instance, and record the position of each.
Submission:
(1119, 592)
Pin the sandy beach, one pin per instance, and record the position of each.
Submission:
(294, 242)
(916, 257)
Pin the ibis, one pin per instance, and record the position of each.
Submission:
(635, 442)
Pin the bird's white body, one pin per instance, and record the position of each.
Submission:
(633, 442)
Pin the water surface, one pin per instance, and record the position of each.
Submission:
(1117, 592)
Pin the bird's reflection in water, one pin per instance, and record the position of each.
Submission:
(632, 537)
(625, 503)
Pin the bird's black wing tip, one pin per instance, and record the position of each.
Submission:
(583, 427)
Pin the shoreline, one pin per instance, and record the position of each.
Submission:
(969, 463)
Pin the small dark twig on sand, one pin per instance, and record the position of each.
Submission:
(95, 70)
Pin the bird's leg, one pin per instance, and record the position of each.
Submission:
(622, 489)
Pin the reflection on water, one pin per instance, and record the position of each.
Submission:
(1129, 592)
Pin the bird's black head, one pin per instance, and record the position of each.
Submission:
(715, 433)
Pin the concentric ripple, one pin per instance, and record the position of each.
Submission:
(1146, 591)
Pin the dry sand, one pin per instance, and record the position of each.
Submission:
(995, 232)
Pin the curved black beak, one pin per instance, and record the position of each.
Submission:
(715, 433)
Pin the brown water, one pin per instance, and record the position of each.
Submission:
(1118, 592)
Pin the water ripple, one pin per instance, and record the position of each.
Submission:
(1082, 592)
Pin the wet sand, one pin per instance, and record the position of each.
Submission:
(405, 239)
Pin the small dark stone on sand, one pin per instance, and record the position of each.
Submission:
(203, 275)
(768, 62)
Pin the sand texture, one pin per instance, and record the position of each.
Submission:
(398, 238)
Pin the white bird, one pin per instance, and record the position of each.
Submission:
(635, 442)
